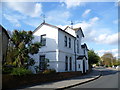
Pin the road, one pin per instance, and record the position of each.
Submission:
(109, 79)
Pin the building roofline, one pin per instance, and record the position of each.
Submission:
(51, 26)
(81, 57)
(76, 29)
(2, 28)
(84, 45)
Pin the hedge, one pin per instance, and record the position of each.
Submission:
(15, 81)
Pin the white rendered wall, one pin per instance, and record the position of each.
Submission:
(51, 49)
(81, 65)
(51, 38)
(62, 57)
(61, 43)
(55, 49)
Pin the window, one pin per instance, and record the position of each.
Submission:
(77, 36)
(69, 42)
(70, 63)
(66, 41)
(42, 61)
(77, 46)
(43, 39)
(74, 47)
(79, 66)
(66, 63)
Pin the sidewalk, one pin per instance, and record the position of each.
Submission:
(70, 82)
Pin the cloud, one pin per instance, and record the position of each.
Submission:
(25, 8)
(71, 3)
(57, 16)
(94, 34)
(113, 51)
(107, 39)
(86, 12)
(33, 22)
(13, 20)
(93, 20)
(116, 21)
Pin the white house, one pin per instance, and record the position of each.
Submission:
(62, 47)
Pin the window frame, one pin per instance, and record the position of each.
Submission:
(69, 42)
(65, 41)
(41, 66)
(43, 40)
(66, 63)
(70, 62)
(77, 46)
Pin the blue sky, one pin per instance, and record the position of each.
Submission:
(99, 20)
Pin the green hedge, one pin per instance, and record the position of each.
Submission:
(16, 81)
(20, 71)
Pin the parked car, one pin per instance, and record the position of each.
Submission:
(117, 67)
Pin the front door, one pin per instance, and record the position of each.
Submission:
(83, 66)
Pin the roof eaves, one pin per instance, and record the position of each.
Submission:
(66, 32)
(44, 24)
(4, 30)
(66, 27)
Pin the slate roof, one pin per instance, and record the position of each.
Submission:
(51, 26)
(4, 30)
(84, 45)
(81, 57)
(76, 29)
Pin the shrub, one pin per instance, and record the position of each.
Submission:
(49, 71)
(7, 69)
(20, 71)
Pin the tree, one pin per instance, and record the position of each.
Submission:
(93, 57)
(108, 59)
(21, 48)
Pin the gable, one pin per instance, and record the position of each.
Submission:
(79, 30)
(70, 31)
(46, 25)
(51, 26)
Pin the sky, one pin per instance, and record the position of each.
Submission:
(98, 20)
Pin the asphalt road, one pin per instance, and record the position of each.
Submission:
(109, 79)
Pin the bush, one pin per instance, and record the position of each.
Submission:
(20, 71)
(49, 71)
(7, 69)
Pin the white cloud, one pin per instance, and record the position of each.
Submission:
(57, 16)
(113, 51)
(93, 20)
(107, 39)
(73, 3)
(33, 22)
(115, 21)
(26, 8)
(13, 20)
(86, 12)
(96, 35)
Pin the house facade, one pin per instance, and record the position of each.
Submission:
(62, 47)
(4, 40)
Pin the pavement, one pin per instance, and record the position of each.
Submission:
(64, 84)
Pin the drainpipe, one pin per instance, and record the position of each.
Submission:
(75, 55)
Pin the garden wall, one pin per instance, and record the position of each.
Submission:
(12, 81)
